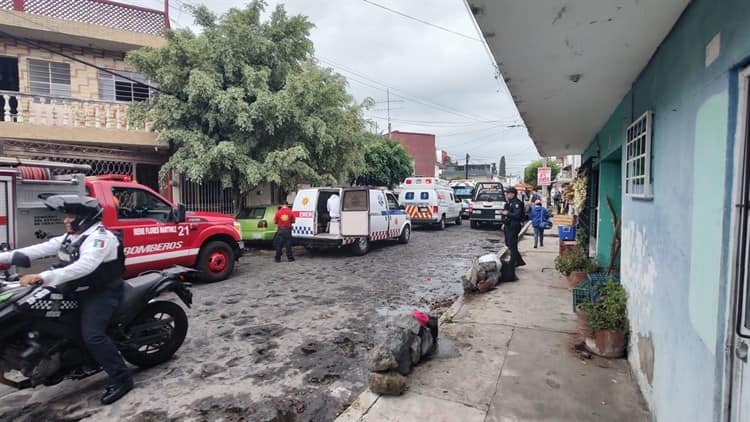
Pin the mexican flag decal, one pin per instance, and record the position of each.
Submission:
(98, 243)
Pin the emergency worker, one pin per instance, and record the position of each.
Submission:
(334, 213)
(90, 267)
(284, 218)
(514, 213)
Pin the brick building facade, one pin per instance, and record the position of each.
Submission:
(421, 148)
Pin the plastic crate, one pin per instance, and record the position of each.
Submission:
(581, 293)
(566, 232)
(596, 279)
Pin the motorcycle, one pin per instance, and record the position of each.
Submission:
(40, 338)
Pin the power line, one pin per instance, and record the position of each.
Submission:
(403, 94)
(422, 21)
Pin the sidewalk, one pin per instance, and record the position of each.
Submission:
(508, 356)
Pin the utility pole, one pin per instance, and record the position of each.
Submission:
(544, 188)
(388, 100)
(467, 166)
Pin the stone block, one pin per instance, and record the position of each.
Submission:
(387, 383)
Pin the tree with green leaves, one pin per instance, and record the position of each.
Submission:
(386, 163)
(530, 173)
(244, 102)
(501, 170)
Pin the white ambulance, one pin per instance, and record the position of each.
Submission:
(364, 215)
(430, 201)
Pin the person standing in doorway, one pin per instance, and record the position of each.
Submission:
(514, 214)
(334, 212)
(284, 218)
(539, 217)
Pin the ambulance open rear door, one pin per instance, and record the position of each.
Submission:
(355, 212)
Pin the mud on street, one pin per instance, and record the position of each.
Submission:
(278, 341)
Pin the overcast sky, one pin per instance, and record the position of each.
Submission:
(440, 82)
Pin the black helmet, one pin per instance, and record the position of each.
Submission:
(86, 209)
(511, 190)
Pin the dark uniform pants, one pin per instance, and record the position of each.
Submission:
(96, 311)
(284, 240)
(511, 231)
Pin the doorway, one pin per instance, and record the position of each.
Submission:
(739, 405)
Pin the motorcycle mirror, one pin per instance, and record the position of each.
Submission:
(20, 260)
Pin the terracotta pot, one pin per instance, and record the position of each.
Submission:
(584, 329)
(576, 277)
(607, 343)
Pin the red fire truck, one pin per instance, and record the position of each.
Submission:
(156, 234)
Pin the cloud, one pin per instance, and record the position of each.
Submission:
(441, 83)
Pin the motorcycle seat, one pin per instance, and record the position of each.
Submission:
(134, 294)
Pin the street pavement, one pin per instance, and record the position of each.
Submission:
(278, 341)
(509, 355)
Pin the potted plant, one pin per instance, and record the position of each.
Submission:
(575, 264)
(584, 328)
(608, 318)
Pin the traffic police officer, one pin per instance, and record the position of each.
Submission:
(514, 214)
(91, 265)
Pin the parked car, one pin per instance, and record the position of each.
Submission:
(256, 223)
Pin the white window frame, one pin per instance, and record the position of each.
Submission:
(638, 135)
(102, 75)
(53, 88)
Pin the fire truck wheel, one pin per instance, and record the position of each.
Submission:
(215, 261)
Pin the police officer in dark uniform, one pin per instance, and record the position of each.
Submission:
(514, 214)
(91, 265)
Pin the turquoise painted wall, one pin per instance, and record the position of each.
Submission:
(674, 246)
(610, 186)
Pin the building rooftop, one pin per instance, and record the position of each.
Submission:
(87, 23)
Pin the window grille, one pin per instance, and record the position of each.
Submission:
(638, 157)
(49, 78)
(115, 88)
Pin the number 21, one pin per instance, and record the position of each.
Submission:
(183, 230)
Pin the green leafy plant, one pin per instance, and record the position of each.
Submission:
(610, 310)
(575, 259)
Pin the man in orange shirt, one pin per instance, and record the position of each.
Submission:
(284, 218)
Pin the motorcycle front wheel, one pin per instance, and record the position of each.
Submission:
(155, 334)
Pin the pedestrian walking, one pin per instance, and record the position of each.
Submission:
(514, 214)
(557, 198)
(539, 219)
(284, 218)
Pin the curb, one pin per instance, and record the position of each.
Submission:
(364, 402)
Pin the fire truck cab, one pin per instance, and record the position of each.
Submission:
(156, 234)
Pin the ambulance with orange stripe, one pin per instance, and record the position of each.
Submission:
(430, 201)
(364, 215)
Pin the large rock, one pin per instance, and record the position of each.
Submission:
(381, 359)
(388, 383)
(416, 348)
(469, 279)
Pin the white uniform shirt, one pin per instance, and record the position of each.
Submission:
(100, 246)
(334, 206)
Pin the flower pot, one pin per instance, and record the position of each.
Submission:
(607, 343)
(575, 278)
(584, 329)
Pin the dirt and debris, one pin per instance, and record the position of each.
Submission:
(277, 342)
